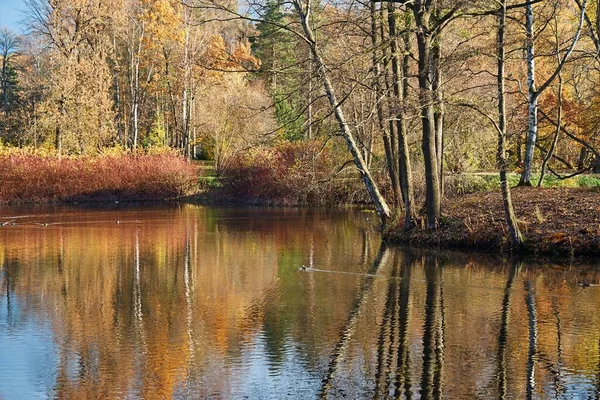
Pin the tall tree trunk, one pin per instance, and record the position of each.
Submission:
(390, 101)
(389, 153)
(303, 9)
(532, 103)
(552, 148)
(400, 82)
(172, 102)
(134, 83)
(439, 108)
(116, 71)
(5, 82)
(58, 134)
(309, 108)
(509, 213)
(404, 166)
(186, 78)
(424, 42)
(583, 153)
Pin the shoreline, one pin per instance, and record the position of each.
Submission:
(551, 223)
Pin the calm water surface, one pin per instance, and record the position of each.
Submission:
(196, 302)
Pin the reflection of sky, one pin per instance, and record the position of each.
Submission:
(11, 14)
(261, 377)
(28, 355)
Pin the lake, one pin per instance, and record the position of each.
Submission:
(185, 301)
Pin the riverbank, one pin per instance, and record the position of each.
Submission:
(563, 220)
(560, 221)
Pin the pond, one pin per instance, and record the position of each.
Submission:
(185, 301)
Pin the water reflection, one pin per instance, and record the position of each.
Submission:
(195, 302)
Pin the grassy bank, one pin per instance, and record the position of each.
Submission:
(36, 178)
(555, 221)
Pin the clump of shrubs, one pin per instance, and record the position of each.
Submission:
(291, 173)
(125, 176)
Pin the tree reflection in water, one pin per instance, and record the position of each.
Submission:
(196, 302)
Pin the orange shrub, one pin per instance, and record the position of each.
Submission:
(26, 178)
(300, 173)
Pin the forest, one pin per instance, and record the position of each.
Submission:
(405, 105)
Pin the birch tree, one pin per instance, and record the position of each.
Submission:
(303, 9)
(534, 92)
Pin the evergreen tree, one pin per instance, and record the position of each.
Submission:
(277, 50)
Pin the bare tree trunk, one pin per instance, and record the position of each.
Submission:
(433, 194)
(400, 88)
(404, 166)
(134, 83)
(439, 108)
(8, 44)
(550, 152)
(58, 139)
(511, 219)
(389, 153)
(532, 102)
(582, 156)
(309, 110)
(186, 78)
(58, 130)
(390, 101)
(117, 91)
(303, 9)
(5, 82)
(192, 123)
